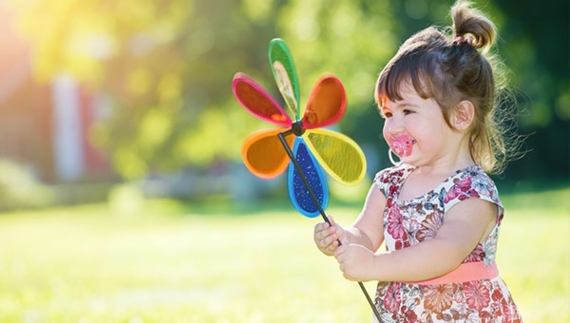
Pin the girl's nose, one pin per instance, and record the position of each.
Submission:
(394, 126)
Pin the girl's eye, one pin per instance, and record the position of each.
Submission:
(387, 114)
(408, 111)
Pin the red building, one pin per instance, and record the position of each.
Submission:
(45, 127)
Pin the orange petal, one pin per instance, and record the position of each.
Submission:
(263, 153)
(326, 104)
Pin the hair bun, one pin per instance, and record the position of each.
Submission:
(471, 26)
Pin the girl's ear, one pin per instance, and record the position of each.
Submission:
(463, 115)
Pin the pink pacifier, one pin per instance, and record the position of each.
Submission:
(401, 146)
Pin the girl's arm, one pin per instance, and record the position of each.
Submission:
(465, 224)
(366, 231)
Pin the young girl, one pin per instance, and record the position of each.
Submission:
(437, 211)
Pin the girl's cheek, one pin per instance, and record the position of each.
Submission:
(385, 131)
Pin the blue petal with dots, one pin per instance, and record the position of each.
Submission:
(298, 192)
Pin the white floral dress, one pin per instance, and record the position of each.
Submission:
(407, 223)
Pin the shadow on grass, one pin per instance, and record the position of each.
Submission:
(531, 186)
(220, 206)
(536, 195)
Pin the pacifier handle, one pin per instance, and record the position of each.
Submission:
(401, 146)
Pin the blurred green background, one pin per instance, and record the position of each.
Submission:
(116, 112)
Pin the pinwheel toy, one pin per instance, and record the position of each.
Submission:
(268, 153)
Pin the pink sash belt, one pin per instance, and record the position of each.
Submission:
(464, 273)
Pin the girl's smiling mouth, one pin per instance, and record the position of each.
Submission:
(402, 145)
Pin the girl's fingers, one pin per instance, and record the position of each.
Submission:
(326, 236)
(339, 252)
(331, 220)
(321, 229)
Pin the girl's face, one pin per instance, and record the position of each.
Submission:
(422, 121)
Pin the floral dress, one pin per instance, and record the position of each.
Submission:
(407, 223)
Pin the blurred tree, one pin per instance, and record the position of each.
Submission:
(536, 48)
(166, 66)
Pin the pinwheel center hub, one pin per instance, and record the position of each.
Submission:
(297, 128)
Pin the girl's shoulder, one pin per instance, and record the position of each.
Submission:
(471, 182)
(392, 177)
(390, 171)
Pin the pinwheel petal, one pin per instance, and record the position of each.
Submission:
(285, 75)
(263, 153)
(298, 192)
(257, 101)
(326, 104)
(339, 155)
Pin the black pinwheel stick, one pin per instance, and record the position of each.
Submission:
(297, 130)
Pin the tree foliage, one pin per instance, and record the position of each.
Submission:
(165, 66)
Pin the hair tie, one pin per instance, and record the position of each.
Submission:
(461, 39)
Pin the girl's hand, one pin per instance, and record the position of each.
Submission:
(327, 236)
(356, 262)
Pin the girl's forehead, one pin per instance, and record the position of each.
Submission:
(406, 91)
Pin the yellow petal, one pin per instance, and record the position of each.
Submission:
(339, 155)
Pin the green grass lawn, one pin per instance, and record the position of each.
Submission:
(170, 262)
